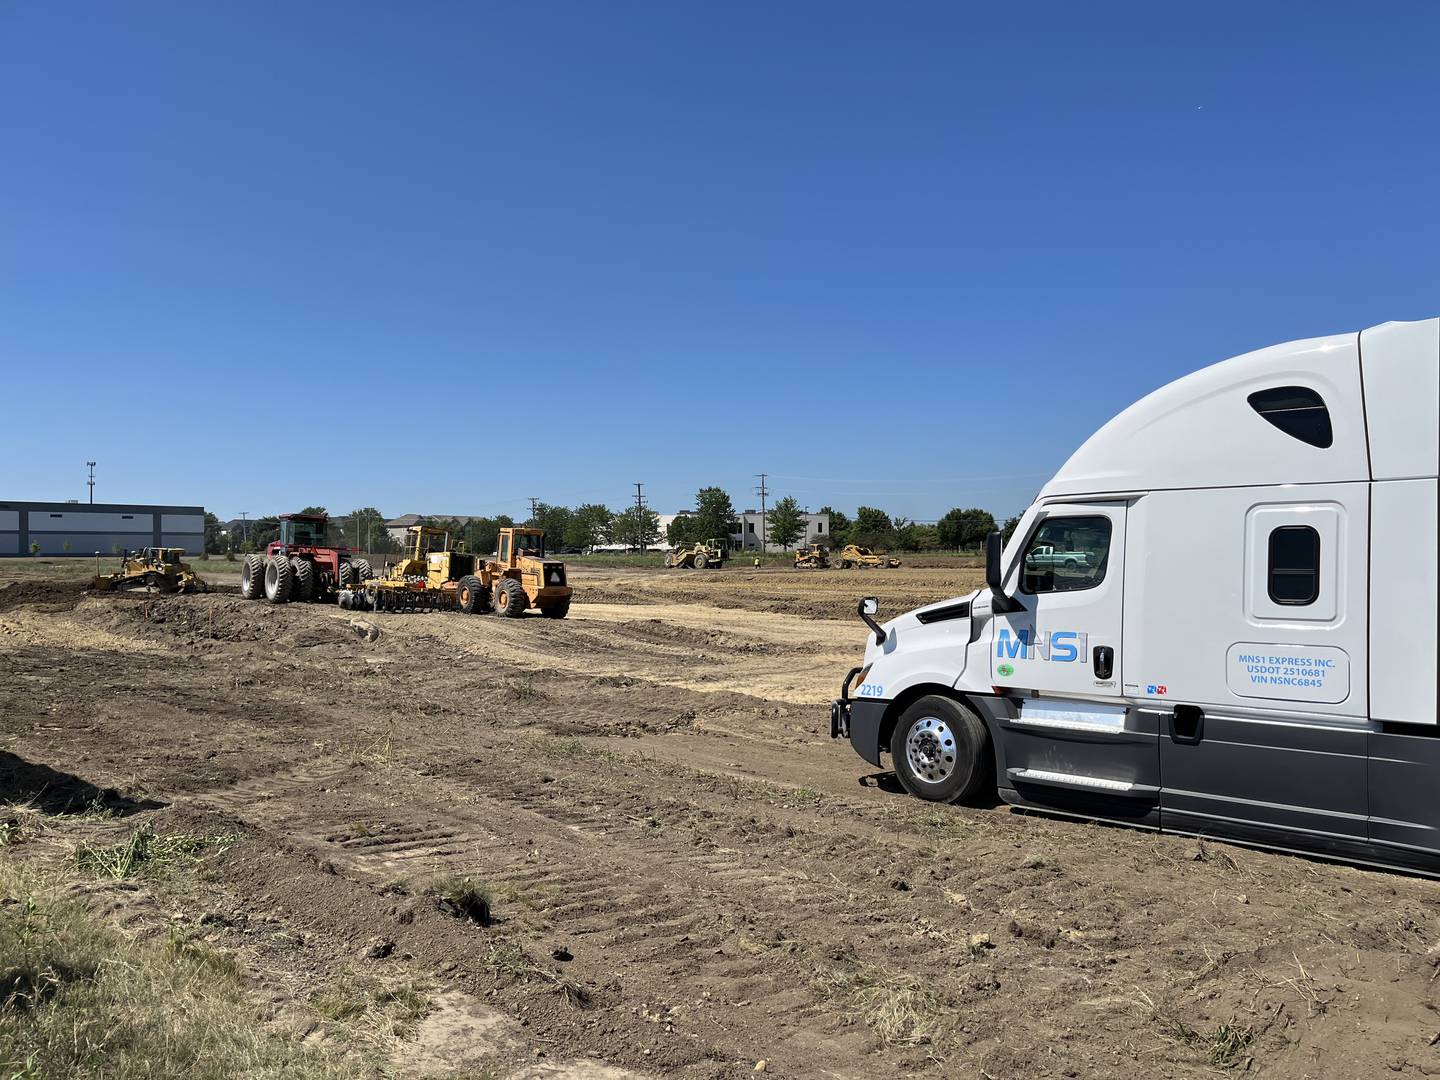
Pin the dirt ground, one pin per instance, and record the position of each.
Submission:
(689, 878)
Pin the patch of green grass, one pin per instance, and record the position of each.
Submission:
(80, 1000)
(371, 1006)
(147, 852)
(463, 897)
(1229, 1042)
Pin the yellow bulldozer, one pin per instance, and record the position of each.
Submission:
(158, 569)
(697, 556)
(856, 557)
(812, 557)
(440, 575)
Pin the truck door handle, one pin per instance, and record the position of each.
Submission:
(1187, 724)
(1104, 656)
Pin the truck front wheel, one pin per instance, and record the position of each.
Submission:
(941, 750)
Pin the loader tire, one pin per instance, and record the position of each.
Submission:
(362, 570)
(510, 599)
(252, 577)
(303, 572)
(278, 579)
(469, 594)
(556, 611)
(700, 561)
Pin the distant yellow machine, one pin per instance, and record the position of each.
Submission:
(697, 556)
(438, 575)
(855, 557)
(815, 557)
(160, 569)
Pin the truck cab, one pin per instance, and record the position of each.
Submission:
(1212, 620)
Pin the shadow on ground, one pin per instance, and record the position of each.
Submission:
(51, 791)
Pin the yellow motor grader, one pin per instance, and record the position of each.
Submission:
(856, 557)
(816, 557)
(155, 568)
(438, 575)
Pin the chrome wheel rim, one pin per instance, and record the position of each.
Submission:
(930, 750)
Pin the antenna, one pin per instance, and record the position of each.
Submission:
(91, 481)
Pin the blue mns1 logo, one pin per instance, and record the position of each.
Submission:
(1059, 646)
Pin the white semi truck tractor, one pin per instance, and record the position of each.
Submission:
(1247, 648)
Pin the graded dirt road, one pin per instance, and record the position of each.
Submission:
(688, 876)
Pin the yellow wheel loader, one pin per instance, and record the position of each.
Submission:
(697, 556)
(855, 557)
(812, 558)
(155, 568)
(521, 577)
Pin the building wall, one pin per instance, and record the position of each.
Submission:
(817, 531)
(101, 527)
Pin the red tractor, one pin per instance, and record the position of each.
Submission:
(299, 566)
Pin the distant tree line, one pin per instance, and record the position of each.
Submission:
(591, 525)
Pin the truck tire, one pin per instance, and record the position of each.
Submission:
(556, 611)
(470, 595)
(278, 579)
(700, 561)
(510, 599)
(941, 751)
(1071, 564)
(252, 577)
(302, 574)
(362, 570)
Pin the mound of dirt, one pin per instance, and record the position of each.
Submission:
(45, 595)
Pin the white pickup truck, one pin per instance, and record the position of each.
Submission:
(1045, 557)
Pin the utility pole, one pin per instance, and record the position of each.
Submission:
(762, 491)
(640, 516)
(92, 481)
(534, 502)
(244, 526)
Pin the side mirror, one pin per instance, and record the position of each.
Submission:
(995, 576)
(869, 607)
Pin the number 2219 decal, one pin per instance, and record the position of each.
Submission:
(871, 690)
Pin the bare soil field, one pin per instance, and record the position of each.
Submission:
(686, 877)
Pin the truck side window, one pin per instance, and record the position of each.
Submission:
(1296, 410)
(1294, 570)
(1066, 554)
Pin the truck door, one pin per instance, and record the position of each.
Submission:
(1069, 579)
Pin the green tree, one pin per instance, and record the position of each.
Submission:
(637, 527)
(683, 530)
(263, 531)
(482, 534)
(962, 528)
(214, 542)
(785, 523)
(873, 528)
(555, 520)
(913, 536)
(363, 529)
(714, 515)
(587, 526)
(1008, 529)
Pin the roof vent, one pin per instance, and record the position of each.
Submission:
(1296, 410)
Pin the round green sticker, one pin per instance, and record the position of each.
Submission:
(1005, 670)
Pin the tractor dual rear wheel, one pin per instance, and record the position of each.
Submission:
(252, 577)
(278, 579)
(302, 572)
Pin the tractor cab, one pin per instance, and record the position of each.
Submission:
(303, 530)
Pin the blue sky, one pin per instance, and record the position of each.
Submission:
(443, 257)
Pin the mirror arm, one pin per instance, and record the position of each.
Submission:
(870, 622)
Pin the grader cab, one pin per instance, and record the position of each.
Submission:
(160, 569)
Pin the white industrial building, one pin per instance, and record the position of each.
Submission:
(69, 528)
(817, 531)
